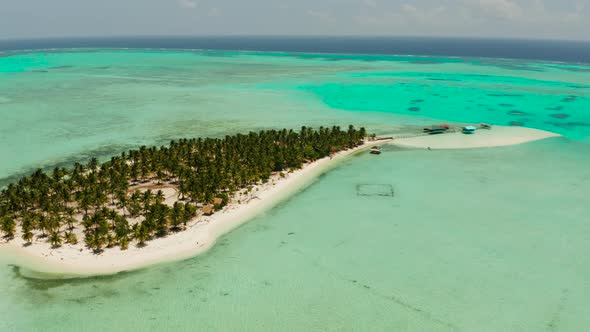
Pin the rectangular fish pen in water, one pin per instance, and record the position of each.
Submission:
(385, 190)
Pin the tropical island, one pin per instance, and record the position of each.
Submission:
(123, 200)
(167, 203)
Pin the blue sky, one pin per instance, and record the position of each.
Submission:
(555, 19)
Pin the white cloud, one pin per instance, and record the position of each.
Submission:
(214, 12)
(406, 15)
(370, 3)
(489, 18)
(188, 4)
(409, 9)
(528, 15)
(321, 15)
(502, 9)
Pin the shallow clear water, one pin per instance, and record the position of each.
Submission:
(63, 106)
(472, 240)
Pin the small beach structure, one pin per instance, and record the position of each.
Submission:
(437, 129)
(469, 130)
(217, 201)
(208, 209)
(375, 150)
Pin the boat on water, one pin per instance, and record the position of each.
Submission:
(375, 150)
(469, 130)
(485, 126)
(437, 129)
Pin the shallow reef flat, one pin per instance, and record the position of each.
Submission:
(479, 239)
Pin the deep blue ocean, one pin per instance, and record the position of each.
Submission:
(549, 50)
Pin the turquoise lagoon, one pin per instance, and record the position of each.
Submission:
(472, 240)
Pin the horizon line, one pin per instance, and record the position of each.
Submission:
(288, 36)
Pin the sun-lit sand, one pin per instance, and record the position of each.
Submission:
(201, 234)
(496, 136)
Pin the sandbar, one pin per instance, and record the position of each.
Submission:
(482, 138)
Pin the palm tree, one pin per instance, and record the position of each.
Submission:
(110, 240)
(44, 225)
(199, 169)
(69, 218)
(27, 235)
(122, 231)
(161, 215)
(8, 227)
(55, 239)
(142, 234)
(190, 211)
(124, 243)
(160, 197)
(177, 216)
(71, 238)
(146, 200)
(92, 164)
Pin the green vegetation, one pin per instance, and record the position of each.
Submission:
(112, 203)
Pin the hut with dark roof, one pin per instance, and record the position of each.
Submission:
(439, 129)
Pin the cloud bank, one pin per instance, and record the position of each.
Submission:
(555, 19)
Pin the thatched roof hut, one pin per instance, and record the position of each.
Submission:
(208, 209)
(217, 201)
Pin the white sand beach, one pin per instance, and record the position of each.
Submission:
(482, 138)
(201, 233)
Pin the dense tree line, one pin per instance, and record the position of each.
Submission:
(98, 198)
